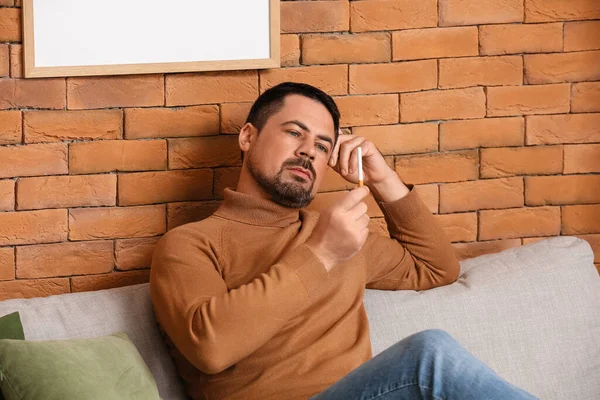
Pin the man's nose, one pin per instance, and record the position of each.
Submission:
(307, 150)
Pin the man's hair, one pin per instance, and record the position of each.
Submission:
(271, 101)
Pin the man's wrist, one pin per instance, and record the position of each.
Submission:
(390, 189)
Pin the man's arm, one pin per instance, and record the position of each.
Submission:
(418, 255)
(214, 327)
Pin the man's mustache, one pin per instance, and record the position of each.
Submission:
(302, 163)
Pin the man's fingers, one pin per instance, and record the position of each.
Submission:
(346, 151)
(354, 197)
(358, 210)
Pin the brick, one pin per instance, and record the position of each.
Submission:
(215, 151)
(134, 253)
(290, 50)
(4, 60)
(520, 38)
(10, 25)
(474, 12)
(525, 100)
(10, 127)
(109, 281)
(7, 195)
(429, 194)
(182, 213)
(211, 87)
(314, 16)
(488, 132)
(332, 79)
(560, 10)
(438, 167)
(165, 186)
(509, 161)
(233, 116)
(442, 104)
(32, 227)
(344, 49)
(581, 219)
(465, 251)
(6, 3)
(519, 222)
(368, 110)
(594, 242)
(459, 227)
(7, 263)
(585, 97)
(117, 155)
(325, 200)
(64, 259)
(32, 93)
(562, 67)
(171, 122)
(60, 125)
(583, 35)
(116, 222)
(581, 159)
(392, 78)
(401, 139)
(66, 191)
(557, 190)
(26, 289)
(480, 71)
(115, 91)
(392, 15)
(435, 43)
(481, 194)
(33, 159)
(16, 61)
(571, 128)
(527, 241)
(225, 178)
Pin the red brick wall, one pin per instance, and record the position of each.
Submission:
(492, 108)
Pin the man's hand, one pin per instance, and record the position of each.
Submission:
(378, 176)
(341, 230)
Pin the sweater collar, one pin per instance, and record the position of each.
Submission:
(253, 210)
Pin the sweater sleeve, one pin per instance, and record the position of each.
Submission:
(416, 256)
(212, 326)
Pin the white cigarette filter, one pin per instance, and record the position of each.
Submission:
(360, 169)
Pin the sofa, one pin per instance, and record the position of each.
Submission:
(531, 313)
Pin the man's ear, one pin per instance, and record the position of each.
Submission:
(247, 136)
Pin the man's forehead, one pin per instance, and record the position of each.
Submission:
(309, 112)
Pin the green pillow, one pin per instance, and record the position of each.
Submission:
(108, 367)
(11, 327)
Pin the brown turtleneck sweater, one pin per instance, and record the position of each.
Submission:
(249, 312)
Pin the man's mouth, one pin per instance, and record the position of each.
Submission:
(302, 172)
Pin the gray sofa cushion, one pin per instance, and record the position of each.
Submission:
(531, 313)
(101, 313)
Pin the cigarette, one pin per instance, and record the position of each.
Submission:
(360, 169)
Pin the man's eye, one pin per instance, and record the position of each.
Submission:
(322, 148)
(294, 133)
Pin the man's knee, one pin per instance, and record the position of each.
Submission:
(432, 340)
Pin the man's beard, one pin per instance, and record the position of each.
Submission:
(288, 194)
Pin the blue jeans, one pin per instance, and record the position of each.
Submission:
(427, 365)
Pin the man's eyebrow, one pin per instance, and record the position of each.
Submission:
(304, 127)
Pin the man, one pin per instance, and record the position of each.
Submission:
(263, 300)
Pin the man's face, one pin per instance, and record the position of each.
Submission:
(288, 158)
